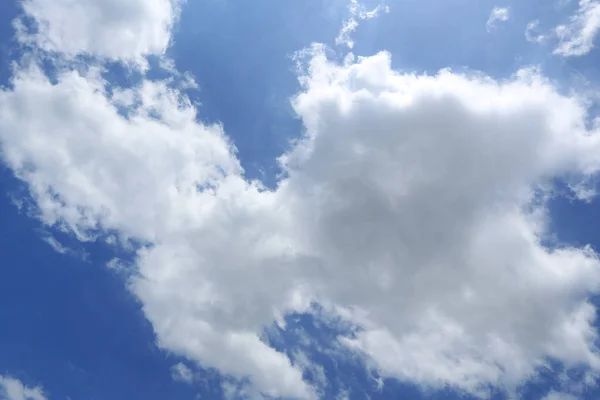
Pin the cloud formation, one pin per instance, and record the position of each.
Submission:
(422, 228)
(532, 34)
(112, 29)
(577, 37)
(182, 373)
(498, 14)
(13, 389)
(412, 207)
(358, 12)
(559, 396)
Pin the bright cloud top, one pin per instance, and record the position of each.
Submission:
(113, 29)
(412, 207)
(577, 37)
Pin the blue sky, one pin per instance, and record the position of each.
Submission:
(231, 199)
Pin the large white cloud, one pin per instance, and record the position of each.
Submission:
(412, 206)
(415, 195)
(407, 209)
(158, 176)
(13, 389)
(113, 29)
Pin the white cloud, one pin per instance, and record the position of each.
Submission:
(577, 37)
(408, 209)
(358, 12)
(181, 372)
(498, 14)
(113, 29)
(420, 223)
(94, 156)
(55, 244)
(532, 34)
(345, 35)
(559, 396)
(399, 202)
(13, 389)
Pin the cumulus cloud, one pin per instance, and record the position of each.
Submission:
(13, 389)
(498, 14)
(112, 29)
(178, 166)
(412, 208)
(421, 229)
(358, 12)
(577, 37)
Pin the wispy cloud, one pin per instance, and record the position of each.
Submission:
(55, 244)
(498, 14)
(576, 38)
(358, 12)
(559, 396)
(532, 33)
(182, 373)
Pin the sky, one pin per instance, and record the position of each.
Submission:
(316, 199)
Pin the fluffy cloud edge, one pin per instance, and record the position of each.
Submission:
(125, 31)
(577, 37)
(14, 389)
